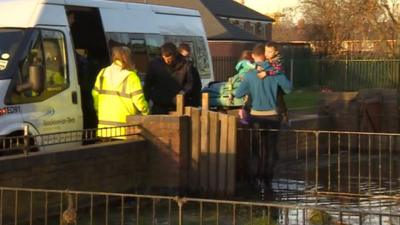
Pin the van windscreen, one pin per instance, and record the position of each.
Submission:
(10, 40)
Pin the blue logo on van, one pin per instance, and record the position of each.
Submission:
(49, 112)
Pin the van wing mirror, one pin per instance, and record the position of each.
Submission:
(36, 80)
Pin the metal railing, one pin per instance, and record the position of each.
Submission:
(41, 206)
(224, 67)
(24, 144)
(340, 75)
(331, 161)
(346, 74)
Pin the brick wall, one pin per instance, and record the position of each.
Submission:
(100, 168)
(345, 109)
(169, 135)
(229, 48)
(156, 166)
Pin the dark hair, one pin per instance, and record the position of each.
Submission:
(123, 54)
(169, 49)
(184, 46)
(259, 49)
(246, 55)
(272, 45)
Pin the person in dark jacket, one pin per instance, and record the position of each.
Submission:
(166, 77)
(186, 52)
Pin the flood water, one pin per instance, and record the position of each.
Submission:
(347, 189)
(371, 200)
(363, 184)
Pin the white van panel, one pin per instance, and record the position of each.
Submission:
(97, 4)
(24, 14)
(130, 21)
(59, 2)
(51, 15)
(179, 25)
(16, 13)
(10, 115)
(174, 10)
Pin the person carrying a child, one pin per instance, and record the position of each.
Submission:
(273, 67)
(264, 115)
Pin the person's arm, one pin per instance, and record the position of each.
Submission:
(95, 91)
(137, 95)
(196, 92)
(263, 69)
(284, 83)
(188, 87)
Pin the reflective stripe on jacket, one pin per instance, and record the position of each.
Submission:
(117, 93)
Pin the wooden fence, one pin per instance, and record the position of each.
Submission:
(212, 149)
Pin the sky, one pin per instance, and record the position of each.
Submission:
(270, 6)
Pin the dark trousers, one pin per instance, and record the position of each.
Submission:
(263, 155)
(162, 109)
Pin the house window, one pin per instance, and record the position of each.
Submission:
(268, 31)
(259, 30)
(247, 26)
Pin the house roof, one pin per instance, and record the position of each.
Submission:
(232, 9)
(211, 11)
(222, 29)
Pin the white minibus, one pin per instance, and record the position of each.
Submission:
(52, 50)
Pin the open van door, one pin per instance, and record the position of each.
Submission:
(91, 53)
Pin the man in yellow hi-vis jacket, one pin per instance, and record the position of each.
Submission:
(118, 93)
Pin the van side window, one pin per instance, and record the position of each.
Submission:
(200, 55)
(113, 40)
(34, 57)
(153, 44)
(48, 51)
(144, 47)
(199, 52)
(139, 54)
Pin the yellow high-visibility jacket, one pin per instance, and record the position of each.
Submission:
(117, 93)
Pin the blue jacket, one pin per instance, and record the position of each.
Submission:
(263, 92)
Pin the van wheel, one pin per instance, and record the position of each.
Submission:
(13, 144)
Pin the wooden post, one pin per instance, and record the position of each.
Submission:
(194, 173)
(204, 143)
(223, 152)
(180, 105)
(204, 101)
(204, 148)
(214, 150)
(231, 167)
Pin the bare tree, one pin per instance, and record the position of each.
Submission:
(334, 22)
(284, 28)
